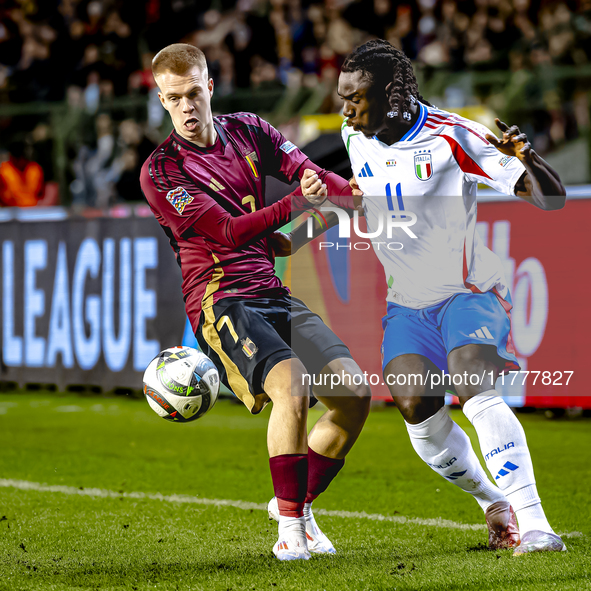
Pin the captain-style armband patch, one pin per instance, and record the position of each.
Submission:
(287, 147)
(179, 198)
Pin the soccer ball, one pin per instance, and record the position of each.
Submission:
(181, 384)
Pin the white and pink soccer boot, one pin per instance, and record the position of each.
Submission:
(292, 543)
(317, 541)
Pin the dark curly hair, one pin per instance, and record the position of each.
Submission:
(387, 68)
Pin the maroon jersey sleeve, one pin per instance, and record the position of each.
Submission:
(187, 210)
(281, 158)
(338, 189)
(218, 225)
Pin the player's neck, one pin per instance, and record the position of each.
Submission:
(394, 133)
(206, 139)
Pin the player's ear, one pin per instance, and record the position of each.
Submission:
(162, 100)
(210, 87)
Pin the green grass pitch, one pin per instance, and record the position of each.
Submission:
(109, 538)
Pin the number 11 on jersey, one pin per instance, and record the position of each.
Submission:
(399, 205)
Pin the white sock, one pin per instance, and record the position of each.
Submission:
(507, 457)
(443, 446)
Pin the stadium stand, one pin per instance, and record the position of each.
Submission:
(75, 81)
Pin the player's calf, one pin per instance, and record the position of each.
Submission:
(287, 432)
(348, 400)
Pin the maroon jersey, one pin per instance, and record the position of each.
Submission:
(210, 203)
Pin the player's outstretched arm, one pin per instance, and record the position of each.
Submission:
(315, 190)
(190, 212)
(540, 185)
(217, 225)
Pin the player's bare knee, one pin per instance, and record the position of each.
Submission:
(407, 406)
(359, 402)
(363, 398)
(404, 389)
(295, 403)
(359, 391)
(416, 409)
(473, 369)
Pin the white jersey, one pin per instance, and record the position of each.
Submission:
(433, 172)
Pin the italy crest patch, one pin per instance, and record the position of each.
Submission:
(179, 198)
(423, 165)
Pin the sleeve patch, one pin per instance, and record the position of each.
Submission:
(505, 160)
(287, 147)
(179, 198)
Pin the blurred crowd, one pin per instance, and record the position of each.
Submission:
(87, 53)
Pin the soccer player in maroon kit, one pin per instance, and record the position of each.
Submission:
(205, 184)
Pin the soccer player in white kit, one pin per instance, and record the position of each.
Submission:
(448, 299)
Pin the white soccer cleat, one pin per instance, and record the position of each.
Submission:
(291, 544)
(539, 541)
(317, 541)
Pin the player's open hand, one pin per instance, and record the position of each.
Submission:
(280, 243)
(513, 142)
(313, 189)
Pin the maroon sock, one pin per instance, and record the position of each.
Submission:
(289, 473)
(321, 471)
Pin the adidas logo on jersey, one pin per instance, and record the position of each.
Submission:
(482, 333)
(366, 171)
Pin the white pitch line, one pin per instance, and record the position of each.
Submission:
(244, 505)
(99, 492)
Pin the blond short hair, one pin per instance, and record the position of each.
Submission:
(178, 59)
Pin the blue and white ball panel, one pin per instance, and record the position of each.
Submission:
(181, 384)
(474, 318)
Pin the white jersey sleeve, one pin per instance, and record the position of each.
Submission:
(480, 161)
